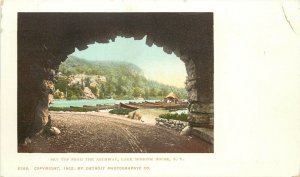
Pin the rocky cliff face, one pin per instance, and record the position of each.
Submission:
(88, 94)
(59, 94)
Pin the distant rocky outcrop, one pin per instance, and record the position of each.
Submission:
(58, 94)
(88, 94)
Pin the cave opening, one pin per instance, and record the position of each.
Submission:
(46, 39)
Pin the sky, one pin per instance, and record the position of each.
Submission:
(156, 64)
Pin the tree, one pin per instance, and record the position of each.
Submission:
(123, 80)
(153, 92)
(137, 92)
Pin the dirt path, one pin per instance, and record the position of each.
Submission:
(102, 132)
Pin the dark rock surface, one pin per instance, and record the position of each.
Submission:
(46, 39)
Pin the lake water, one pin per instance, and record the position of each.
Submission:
(80, 103)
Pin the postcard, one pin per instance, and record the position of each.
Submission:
(152, 88)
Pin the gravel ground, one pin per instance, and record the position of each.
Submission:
(106, 133)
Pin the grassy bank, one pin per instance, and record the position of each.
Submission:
(162, 113)
(176, 116)
(73, 109)
(120, 111)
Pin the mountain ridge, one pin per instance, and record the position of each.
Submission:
(122, 80)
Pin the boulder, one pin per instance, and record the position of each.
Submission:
(186, 131)
(137, 116)
(131, 115)
(55, 131)
(27, 141)
(134, 115)
(161, 124)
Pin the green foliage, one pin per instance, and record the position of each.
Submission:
(120, 111)
(75, 92)
(61, 84)
(176, 116)
(73, 109)
(123, 81)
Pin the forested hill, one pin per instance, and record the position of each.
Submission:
(74, 65)
(109, 79)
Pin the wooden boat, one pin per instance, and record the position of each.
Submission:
(135, 106)
(151, 102)
(128, 106)
(75, 107)
(99, 107)
(148, 105)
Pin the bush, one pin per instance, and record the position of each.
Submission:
(120, 111)
(78, 109)
(73, 97)
(73, 109)
(59, 108)
(176, 116)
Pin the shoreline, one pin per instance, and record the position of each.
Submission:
(100, 132)
(145, 119)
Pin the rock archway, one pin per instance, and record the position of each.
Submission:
(46, 39)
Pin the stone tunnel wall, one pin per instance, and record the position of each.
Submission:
(46, 39)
